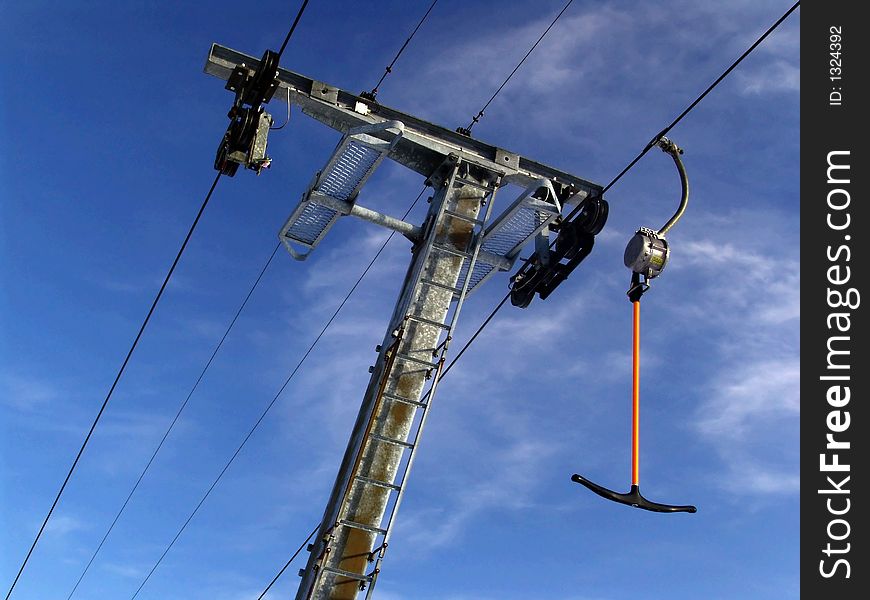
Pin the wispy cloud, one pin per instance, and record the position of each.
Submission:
(777, 76)
(124, 570)
(765, 285)
(62, 525)
(776, 68)
(25, 394)
(508, 487)
(750, 477)
(750, 397)
(749, 292)
(570, 79)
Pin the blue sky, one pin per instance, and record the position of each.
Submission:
(110, 128)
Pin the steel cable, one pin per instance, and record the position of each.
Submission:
(114, 383)
(272, 402)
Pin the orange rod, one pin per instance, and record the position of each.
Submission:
(635, 397)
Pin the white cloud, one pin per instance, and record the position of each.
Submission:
(25, 394)
(749, 477)
(749, 397)
(343, 263)
(738, 285)
(62, 525)
(509, 487)
(125, 571)
(777, 76)
(765, 287)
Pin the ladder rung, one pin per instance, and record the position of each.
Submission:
(379, 483)
(363, 527)
(443, 286)
(348, 574)
(473, 183)
(428, 322)
(393, 441)
(404, 400)
(453, 251)
(419, 361)
(465, 218)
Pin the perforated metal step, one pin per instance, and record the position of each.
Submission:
(355, 158)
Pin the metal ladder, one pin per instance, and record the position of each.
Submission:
(426, 355)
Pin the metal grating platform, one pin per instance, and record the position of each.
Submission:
(353, 165)
(355, 158)
(536, 207)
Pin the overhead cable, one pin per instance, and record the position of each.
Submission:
(132, 348)
(175, 419)
(498, 307)
(373, 94)
(479, 115)
(114, 383)
(271, 403)
(423, 399)
(293, 27)
(287, 564)
(181, 408)
(691, 106)
(633, 162)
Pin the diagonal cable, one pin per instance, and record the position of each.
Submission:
(709, 89)
(174, 420)
(423, 399)
(389, 69)
(293, 27)
(633, 162)
(114, 383)
(479, 115)
(271, 403)
(178, 414)
(287, 564)
(498, 307)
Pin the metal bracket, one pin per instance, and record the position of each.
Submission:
(535, 208)
(355, 158)
(508, 159)
(324, 91)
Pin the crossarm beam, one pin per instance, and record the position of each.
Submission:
(423, 146)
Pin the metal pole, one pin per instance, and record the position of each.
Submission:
(384, 432)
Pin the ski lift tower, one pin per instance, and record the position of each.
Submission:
(458, 246)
